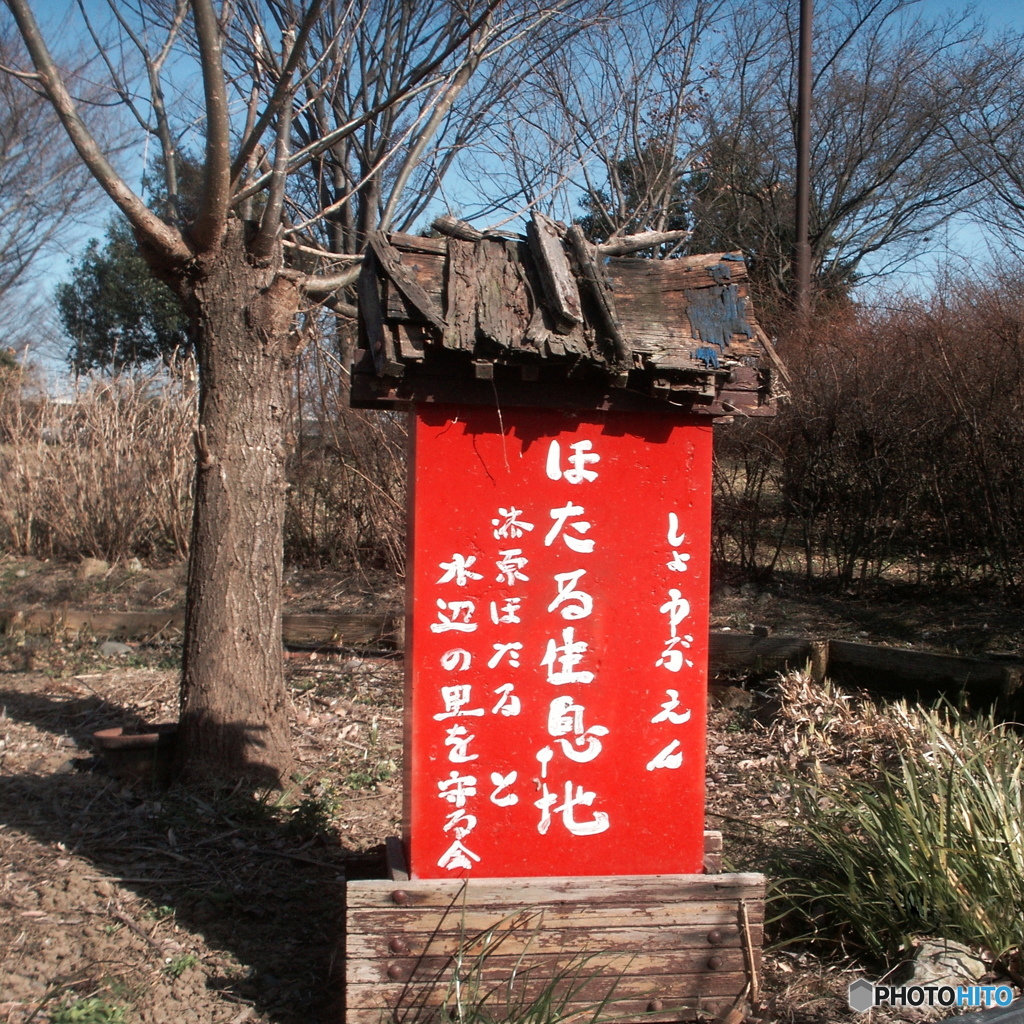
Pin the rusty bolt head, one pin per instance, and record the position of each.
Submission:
(397, 945)
(715, 937)
(715, 963)
(399, 896)
(395, 972)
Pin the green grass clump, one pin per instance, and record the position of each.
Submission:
(932, 845)
(177, 966)
(88, 1011)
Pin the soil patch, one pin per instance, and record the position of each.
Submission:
(226, 907)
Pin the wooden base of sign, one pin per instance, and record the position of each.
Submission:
(654, 947)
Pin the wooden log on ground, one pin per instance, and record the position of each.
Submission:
(983, 681)
(870, 666)
(345, 629)
(757, 653)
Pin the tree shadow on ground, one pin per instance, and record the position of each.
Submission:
(259, 882)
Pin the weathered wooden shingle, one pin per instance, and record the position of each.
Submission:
(553, 312)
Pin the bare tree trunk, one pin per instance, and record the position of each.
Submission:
(232, 669)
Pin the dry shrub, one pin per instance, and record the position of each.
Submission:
(751, 522)
(346, 502)
(821, 724)
(106, 473)
(902, 445)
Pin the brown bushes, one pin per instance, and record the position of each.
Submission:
(903, 446)
(346, 503)
(900, 453)
(107, 472)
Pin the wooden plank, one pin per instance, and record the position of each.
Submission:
(712, 852)
(41, 621)
(931, 673)
(624, 1011)
(777, 362)
(371, 320)
(409, 340)
(397, 865)
(552, 265)
(600, 288)
(427, 269)
(404, 942)
(581, 916)
(345, 629)
(332, 629)
(745, 651)
(503, 309)
(500, 963)
(651, 299)
(609, 890)
(460, 296)
(682, 990)
(418, 244)
(374, 941)
(390, 262)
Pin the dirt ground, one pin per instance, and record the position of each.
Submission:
(119, 902)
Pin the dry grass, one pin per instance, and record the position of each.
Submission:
(107, 474)
(346, 504)
(900, 455)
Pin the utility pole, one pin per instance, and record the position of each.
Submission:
(802, 248)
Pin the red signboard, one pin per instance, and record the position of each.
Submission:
(557, 648)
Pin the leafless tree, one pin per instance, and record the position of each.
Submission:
(687, 112)
(615, 119)
(884, 174)
(42, 184)
(312, 123)
(989, 133)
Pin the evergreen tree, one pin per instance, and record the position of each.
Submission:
(115, 312)
(645, 191)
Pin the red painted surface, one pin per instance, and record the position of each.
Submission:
(556, 680)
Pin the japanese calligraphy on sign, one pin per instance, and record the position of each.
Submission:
(557, 661)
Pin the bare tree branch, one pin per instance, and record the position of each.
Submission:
(158, 235)
(215, 195)
(270, 222)
(282, 93)
(326, 284)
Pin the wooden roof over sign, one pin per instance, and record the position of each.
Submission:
(553, 320)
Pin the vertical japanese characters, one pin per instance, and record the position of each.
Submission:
(570, 737)
(675, 648)
(527, 723)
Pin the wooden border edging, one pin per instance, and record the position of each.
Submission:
(993, 680)
(998, 680)
(335, 629)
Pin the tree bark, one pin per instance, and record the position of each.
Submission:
(234, 706)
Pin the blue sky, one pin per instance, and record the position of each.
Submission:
(964, 240)
(999, 13)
